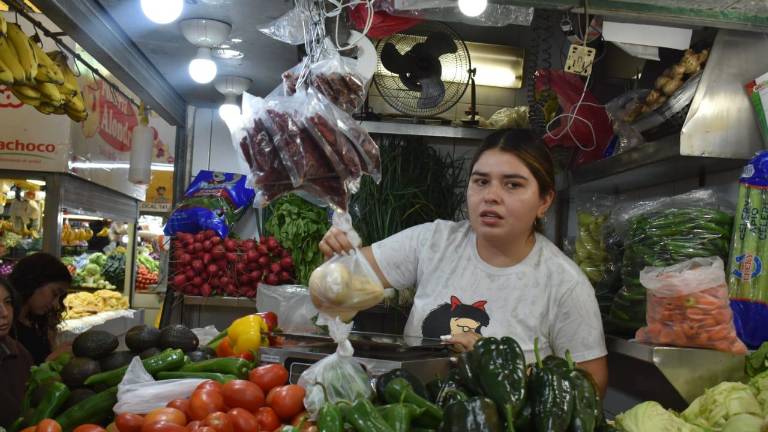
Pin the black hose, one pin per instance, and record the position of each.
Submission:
(538, 57)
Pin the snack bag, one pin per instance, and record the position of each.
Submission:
(345, 284)
(688, 306)
(213, 201)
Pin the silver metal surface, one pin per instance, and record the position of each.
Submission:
(647, 165)
(236, 302)
(82, 196)
(689, 371)
(395, 128)
(721, 121)
(87, 22)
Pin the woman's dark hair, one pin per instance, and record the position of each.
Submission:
(15, 303)
(531, 150)
(32, 273)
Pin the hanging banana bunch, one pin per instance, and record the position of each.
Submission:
(74, 104)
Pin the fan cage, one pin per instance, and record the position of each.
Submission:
(455, 73)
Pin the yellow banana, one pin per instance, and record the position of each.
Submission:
(28, 101)
(24, 51)
(76, 116)
(3, 26)
(45, 108)
(47, 70)
(70, 87)
(28, 92)
(50, 94)
(6, 76)
(8, 57)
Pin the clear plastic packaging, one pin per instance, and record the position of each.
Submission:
(509, 117)
(747, 275)
(139, 393)
(688, 307)
(662, 233)
(291, 303)
(335, 77)
(345, 284)
(496, 15)
(289, 28)
(337, 377)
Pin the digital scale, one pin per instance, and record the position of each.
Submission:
(378, 353)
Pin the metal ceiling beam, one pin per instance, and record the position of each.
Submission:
(91, 26)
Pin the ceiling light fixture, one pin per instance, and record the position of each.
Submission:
(231, 87)
(162, 11)
(205, 34)
(228, 54)
(472, 8)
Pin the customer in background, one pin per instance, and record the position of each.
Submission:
(15, 360)
(42, 282)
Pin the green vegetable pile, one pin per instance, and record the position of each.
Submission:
(598, 253)
(661, 239)
(299, 226)
(92, 274)
(727, 407)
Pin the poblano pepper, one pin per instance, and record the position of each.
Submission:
(472, 415)
(501, 374)
(587, 407)
(552, 400)
(399, 390)
(400, 415)
(362, 415)
(384, 379)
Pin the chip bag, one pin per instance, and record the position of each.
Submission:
(688, 307)
(213, 201)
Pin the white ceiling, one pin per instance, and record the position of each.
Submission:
(265, 59)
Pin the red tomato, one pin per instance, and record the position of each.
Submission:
(209, 385)
(243, 394)
(163, 427)
(194, 425)
(220, 422)
(181, 405)
(248, 355)
(129, 422)
(269, 376)
(47, 425)
(287, 401)
(169, 415)
(204, 402)
(206, 429)
(89, 428)
(268, 419)
(270, 318)
(242, 420)
(224, 349)
(29, 429)
(302, 422)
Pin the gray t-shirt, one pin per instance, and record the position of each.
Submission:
(545, 296)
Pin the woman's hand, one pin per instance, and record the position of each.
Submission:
(462, 342)
(335, 241)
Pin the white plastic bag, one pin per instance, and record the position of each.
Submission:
(139, 393)
(337, 377)
(205, 334)
(291, 303)
(345, 284)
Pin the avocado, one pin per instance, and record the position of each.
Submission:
(141, 338)
(94, 344)
(149, 352)
(77, 396)
(199, 355)
(116, 360)
(178, 337)
(78, 370)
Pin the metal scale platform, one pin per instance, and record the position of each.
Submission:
(378, 353)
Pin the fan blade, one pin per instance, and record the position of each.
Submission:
(432, 92)
(410, 82)
(392, 60)
(438, 44)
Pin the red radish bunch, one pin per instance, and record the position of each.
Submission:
(207, 265)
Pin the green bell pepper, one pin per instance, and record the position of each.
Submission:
(470, 415)
(501, 373)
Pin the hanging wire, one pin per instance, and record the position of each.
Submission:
(19, 10)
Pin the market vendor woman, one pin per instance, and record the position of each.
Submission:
(495, 274)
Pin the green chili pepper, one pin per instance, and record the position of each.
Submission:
(362, 415)
(54, 398)
(400, 390)
(400, 415)
(330, 419)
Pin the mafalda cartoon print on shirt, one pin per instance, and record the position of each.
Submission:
(454, 318)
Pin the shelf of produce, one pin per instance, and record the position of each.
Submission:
(647, 165)
(426, 130)
(236, 302)
(672, 376)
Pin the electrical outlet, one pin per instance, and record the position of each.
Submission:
(580, 60)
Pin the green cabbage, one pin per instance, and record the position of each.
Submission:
(92, 270)
(744, 423)
(759, 385)
(718, 404)
(652, 417)
(98, 258)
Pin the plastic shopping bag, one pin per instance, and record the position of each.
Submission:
(336, 377)
(345, 284)
(139, 393)
(688, 306)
